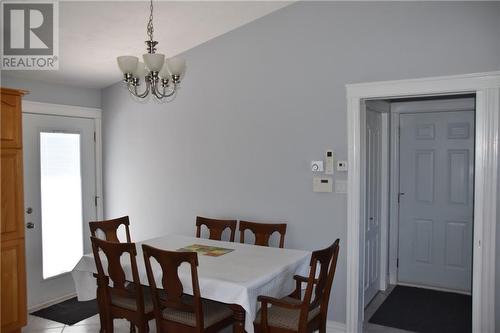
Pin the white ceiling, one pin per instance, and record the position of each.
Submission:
(93, 33)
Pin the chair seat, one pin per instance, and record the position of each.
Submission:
(128, 302)
(285, 318)
(213, 312)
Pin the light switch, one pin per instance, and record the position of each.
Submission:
(341, 165)
(340, 186)
(322, 184)
(317, 166)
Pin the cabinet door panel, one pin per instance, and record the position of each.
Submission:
(13, 313)
(12, 194)
(10, 133)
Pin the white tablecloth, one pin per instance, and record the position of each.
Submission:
(237, 277)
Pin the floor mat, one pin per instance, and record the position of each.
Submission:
(425, 311)
(69, 312)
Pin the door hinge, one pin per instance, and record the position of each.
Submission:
(94, 137)
(95, 200)
(397, 262)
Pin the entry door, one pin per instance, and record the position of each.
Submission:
(372, 211)
(59, 193)
(436, 199)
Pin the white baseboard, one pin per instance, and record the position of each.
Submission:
(51, 302)
(335, 327)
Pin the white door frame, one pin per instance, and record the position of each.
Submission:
(486, 86)
(77, 112)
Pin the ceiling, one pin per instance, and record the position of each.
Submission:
(93, 33)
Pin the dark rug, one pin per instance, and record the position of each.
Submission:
(426, 311)
(69, 312)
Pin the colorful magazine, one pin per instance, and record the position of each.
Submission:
(212, 251)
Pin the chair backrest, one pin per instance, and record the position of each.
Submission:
(172, 297)
(263, 232)
(110, 228)
(319, 285)
(113, 252)
(215, 227)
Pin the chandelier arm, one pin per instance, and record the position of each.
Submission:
(133, 90)
(158, 94)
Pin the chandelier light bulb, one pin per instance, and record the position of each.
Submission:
(154, 61)
(127, 64)
(176, 66)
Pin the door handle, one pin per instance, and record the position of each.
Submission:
(30, 225)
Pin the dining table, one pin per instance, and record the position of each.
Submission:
(236, 278)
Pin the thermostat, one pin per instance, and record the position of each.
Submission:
(322, 184)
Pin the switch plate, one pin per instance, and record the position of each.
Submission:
(322, 184)
(317, 166)
(329, 158)
(340, 186)
(341, 165)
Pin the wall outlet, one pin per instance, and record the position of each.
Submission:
(341, 165)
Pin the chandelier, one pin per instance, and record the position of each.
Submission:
(160, 76)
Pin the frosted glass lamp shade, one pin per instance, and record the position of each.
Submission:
(140, 71)
(127, 64)
(164, 73)
(176, 66)
(154, 61)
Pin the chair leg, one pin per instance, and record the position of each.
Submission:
(144, 327)
(132, 327)
(109, 325)
(322, 327)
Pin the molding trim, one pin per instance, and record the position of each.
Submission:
(51, 302)
(486, 86)
(61, 110)
(335, 327)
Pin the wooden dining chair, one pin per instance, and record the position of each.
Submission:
(215, 227)
(262, 232)
(121, 299)
(110, 228)
(302, 314)
(178, 312)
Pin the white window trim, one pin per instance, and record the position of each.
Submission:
(77, 112)
(486, 86)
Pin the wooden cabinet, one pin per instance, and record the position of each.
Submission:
(13, 286)
(12, 255)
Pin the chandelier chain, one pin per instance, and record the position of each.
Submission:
(150, 28)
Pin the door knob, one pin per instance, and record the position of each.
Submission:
(30, 225)
(29, 210)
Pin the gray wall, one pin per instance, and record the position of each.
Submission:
(54, 93)
(259, 103)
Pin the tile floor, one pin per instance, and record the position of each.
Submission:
(91, 325)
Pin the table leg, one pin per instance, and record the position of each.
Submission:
(239, 318)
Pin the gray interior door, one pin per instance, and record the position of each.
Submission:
(436, 199)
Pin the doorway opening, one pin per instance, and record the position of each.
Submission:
(62, 191)
(417, 169)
